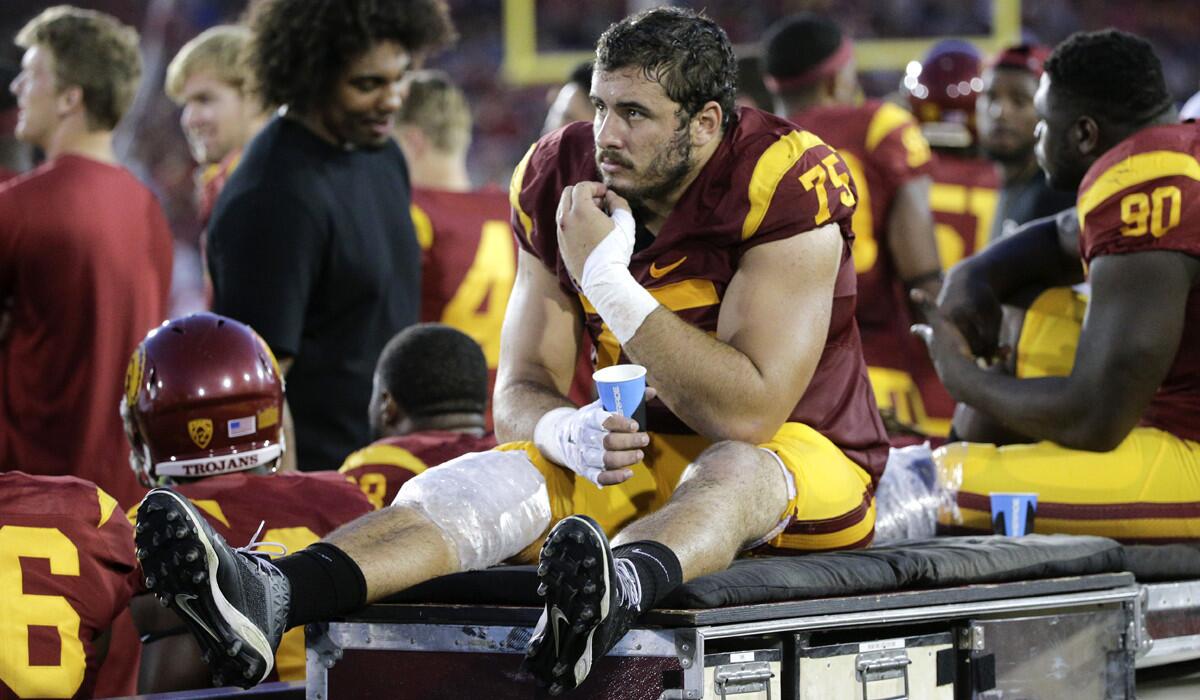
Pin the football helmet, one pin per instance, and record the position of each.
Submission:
(942, 90)
(203, 396)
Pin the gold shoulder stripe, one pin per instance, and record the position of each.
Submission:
(107, 505)
(422, 225)
(886, 119)
(677, 296)
(211, 507)
(772, 165)
(514, 193)
(1133, 171)
(384, 454)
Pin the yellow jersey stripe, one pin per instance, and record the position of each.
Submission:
(1116, 527)
(212, 508)
(514, 193)
(1136, 170)
(107, 505)
(422, 225)
(886, 119)
(677, 296)
(772, 165)
(384, 454)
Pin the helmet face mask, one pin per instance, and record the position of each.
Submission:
(204, 396)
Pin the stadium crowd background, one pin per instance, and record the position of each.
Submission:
(508, 117)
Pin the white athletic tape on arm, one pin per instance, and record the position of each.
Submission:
(618, 298)
(574, 438)
(491, 505)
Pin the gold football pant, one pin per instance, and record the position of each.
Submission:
(832, 508)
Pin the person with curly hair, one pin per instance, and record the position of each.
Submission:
(311, 242)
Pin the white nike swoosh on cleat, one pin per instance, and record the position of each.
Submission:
(555, 616)
(182, 600)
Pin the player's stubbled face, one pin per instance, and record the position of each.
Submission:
(362, 109)
(641, 150)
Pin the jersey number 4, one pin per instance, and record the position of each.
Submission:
(20, 611)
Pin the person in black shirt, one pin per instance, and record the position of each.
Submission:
(1005, 118)
(311, 242)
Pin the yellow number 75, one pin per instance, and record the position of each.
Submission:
(815, 178)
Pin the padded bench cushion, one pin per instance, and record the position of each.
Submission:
(936, 563)
(1163, 562)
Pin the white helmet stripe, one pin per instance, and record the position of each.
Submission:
(207, 466)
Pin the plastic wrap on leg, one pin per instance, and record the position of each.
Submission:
(911, 495)
(491, 505)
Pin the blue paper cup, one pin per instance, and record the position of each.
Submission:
(621, 389)
(1013, 513)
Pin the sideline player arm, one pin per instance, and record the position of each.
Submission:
(912, 242)
(743, 384)
(1043, 253)
(1130, 336)
(539, 343)
(170, 657)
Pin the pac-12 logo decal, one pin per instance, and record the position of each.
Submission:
(133, 375)
(201, 431)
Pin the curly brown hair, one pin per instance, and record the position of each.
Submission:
(93, 51)
(301, 47)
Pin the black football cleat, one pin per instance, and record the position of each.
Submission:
(591, 600)
(234, 602)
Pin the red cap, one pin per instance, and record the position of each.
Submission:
(1027, 57)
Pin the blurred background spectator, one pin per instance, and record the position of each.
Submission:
(509, 117)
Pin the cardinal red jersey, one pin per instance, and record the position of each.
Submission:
(766, 181)
(66, 565)
(1144, 194)
(963, 198)
(85, 253)
(883, 147)
(382, 467)
(210, 180)
(468, 264)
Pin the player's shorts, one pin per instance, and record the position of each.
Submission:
(1050, 334)
(833, 507)
(897, 392)
(1145, 490)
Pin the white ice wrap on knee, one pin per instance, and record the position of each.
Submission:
(491, 505)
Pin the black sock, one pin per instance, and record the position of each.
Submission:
(325, 583)
(657, 566)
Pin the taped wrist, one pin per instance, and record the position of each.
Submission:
(618, 298)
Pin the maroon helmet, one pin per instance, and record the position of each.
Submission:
(203, 396)
(942, 90)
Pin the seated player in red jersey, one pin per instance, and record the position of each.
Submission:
(427, 403)
(85, 255)
(202, 409)
(66, 565)
(1120, 432)
(811, 71)
(710, 245)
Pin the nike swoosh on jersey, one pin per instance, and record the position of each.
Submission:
(181, 600)
(657, 272)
